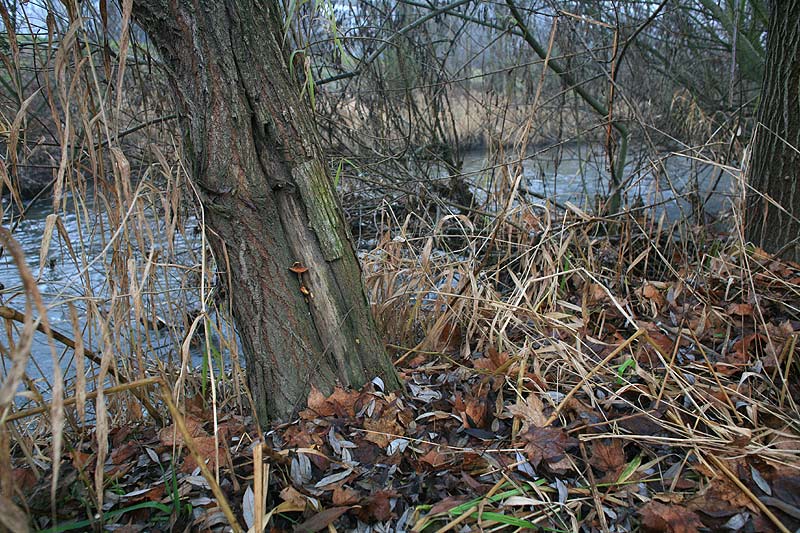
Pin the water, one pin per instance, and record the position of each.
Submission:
(78, 275)
(676, 184)
(576, 174)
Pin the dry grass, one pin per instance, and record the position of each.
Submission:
(678, 343)
(683, 350)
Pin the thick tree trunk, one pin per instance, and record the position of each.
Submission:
(269, 201)
(775, 164)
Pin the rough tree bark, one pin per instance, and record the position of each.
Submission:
(269, 201)
(775, 163)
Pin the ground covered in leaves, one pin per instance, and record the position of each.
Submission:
(664, 399)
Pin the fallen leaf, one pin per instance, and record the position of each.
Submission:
(293, 496)
(378, 507)
(333, 478)
(80, 460)
(344, 496)
(25, 479)
(170, 436)
(597, 293)
(494, 362)
(609, 459)
(547, 444)
(344, 401)
(661, 518)
(530, 411)
(206, 448)
(434, 458)
(340, 403)
(651, 293)
(318, 404)
(665, 344)
(739, 354)
(321, 520)
(119, 434)
(740, 309)
(476, 411)
(445, 505)
(721, 498)
(383, 430)
(123, 453)
(154, 494)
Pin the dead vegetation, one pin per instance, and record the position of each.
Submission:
(563, 371)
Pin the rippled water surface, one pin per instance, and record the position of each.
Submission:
(577, 176)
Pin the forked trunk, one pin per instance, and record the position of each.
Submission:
(269, 201)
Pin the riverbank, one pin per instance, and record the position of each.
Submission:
(576, 380)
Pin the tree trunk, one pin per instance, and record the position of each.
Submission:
(269, 201)
(775, 164)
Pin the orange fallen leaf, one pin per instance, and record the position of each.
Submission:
(170, 436)
(294, 497)
(382, 430)
(434, 458)
(124, 452)
(740, 309)
(344, 496)
(206, 448)
(80, 460)
(318, 403)
(321, 520)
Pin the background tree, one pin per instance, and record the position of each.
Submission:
(269, 201)
(774, 199)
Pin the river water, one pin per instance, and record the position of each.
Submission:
(576, 174)
(75, 271)
(672, 182)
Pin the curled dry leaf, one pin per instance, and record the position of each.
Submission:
(340, 403)
(293, 497)
(597, 293)
(317, 404)
(721, 498)
(476, 411)
(530, 411)
(651, 293)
